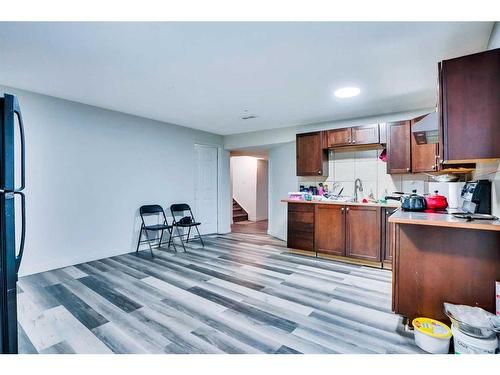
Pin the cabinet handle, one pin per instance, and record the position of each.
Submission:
(353, 141)
(342, 209)
(319, 172)
(347, 209)
(407, 169)
(434, 167)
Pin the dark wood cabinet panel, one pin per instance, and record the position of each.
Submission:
(423, 157)
(363, 233)
(470, 104)
(398, 147)
(386, 231)
(339, 137)
(330, 229)
(365, 135)
(468, 262)
(312, 159)
(300, 234)
(382, 128)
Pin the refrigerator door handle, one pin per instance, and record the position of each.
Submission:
(19, 255)
(17, 111)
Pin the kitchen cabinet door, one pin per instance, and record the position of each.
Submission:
(386, 234)
(398, 147)
(470, 103)
(329, 229)
(423, 157)
(382, 132)
(300, 226)
(363, 233)
(339, 137)
(365, 135)
(312, 160)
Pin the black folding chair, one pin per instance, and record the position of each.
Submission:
(185, 221)
(149, 210)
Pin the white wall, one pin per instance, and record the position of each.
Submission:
(262, 190)
(495, 37)
(282, 179)
(89, 170)
(249, 185)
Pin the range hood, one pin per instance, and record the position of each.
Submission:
(425, 131)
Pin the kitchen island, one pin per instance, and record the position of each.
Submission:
(347, 231)
(439, 258)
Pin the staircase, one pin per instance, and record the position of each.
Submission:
(239, 214)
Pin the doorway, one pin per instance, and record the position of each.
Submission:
(249, 191)
(206, 187)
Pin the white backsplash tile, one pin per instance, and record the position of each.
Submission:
(418, 185)
(344, 156)
(348, 187)
(366, 155)
(369, 187)
(344, 171)
(345, 166)
(365, 169)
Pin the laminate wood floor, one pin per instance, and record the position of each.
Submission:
(242, 293)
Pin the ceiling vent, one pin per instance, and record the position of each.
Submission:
(248, 117)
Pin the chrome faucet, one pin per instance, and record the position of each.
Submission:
(358, 186)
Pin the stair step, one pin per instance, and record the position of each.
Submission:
(240, 218)
(239, 213)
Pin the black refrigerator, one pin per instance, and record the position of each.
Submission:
(11, 135)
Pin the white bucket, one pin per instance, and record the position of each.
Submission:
(465, 344)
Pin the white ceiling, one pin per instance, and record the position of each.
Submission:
(205, 75)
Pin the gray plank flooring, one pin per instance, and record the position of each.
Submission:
(241, 293)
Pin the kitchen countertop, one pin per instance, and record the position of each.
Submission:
(391, 205)
(442, 220)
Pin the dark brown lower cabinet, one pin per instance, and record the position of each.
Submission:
(349, 231)
(363, 233)
(329, 230)
(433, 265)
(386, 236)
(301, 226)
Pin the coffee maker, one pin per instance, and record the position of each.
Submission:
(476, 197)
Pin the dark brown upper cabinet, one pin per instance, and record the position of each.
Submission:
(358, 135)
(312, 159)
(469, 99)
(365, 135)
(339, 137)
(398, 147)
(423, 156)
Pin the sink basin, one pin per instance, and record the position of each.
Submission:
(340, 199)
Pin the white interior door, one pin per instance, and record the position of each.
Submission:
(205, 197)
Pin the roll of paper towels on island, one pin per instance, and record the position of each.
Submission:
(451, 190)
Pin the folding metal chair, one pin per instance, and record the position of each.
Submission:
(185, 221)
(149, 210)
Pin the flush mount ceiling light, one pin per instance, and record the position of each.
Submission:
(347, 92)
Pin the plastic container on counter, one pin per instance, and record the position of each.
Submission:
(432, 335)
(465, 344)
